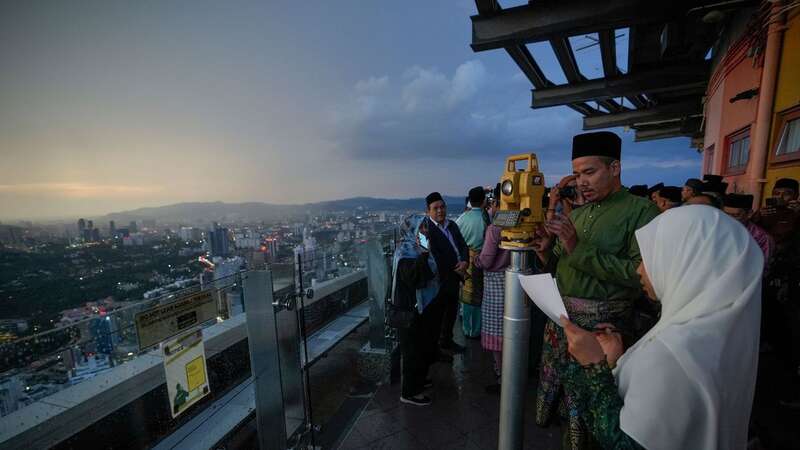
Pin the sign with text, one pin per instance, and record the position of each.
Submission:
(185, 371)
(165, 321)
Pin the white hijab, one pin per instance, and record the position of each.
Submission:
(689, 382)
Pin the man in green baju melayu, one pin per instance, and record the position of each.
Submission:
(594, 262)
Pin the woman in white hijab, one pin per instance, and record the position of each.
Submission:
(689, 382)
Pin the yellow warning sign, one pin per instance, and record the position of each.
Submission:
(185, 370)
(196, 373)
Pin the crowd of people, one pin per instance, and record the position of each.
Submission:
(671, 293)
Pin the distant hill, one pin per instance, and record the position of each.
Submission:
(199, 212)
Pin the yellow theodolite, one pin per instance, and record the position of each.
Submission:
(521, 192)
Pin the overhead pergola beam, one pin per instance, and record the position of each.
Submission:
(585, 109)
(487, 7)
(640, 116)
(660, 133)
(522, 56)
(566, 59)
(688, 128)
(546, 19)
(671, 78)
(608, 52)
(644, 46)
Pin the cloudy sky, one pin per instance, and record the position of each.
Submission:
(113, 105)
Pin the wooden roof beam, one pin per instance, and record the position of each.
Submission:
(664, 79)
(546, 19)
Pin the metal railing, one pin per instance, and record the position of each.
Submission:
(97, 348)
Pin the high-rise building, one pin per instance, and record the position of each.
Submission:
(272, 249)
(185, 233)
(189, 234)
(297, 229)
(307, 251)
(105, 332)
(133, 239)
(11, 389)
(89, 224)
(81, 226)
(112, 229)
(95, 234)
(132, 227)
(219, 241)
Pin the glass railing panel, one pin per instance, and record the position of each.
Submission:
(82, 348)
(343, 368)
(85, 345)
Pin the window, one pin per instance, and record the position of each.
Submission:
(788, 147)
(738, 151)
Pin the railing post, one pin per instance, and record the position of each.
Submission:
(516, 346)
(377, 285)
(264, 360)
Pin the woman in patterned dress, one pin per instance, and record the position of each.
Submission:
(493, 261)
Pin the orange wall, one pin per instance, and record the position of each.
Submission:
(713, 113)
(724, 118)
(787, 96)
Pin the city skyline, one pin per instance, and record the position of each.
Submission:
(110, 107)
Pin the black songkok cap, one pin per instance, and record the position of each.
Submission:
(601, 143)
(694, 183)
(639, 190)
(671, 193)
(712, 178)
(786, 183)
(497, 192)
(713, 186)
(743, 201)
(433, 197)
(654, 188)
(477, 195)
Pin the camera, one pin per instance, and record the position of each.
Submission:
(568, 192)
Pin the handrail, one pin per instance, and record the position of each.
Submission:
(156, 300)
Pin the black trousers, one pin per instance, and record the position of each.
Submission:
(449, 297)
(419, 348)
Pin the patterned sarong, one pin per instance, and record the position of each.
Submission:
(471, 297)
(472, 289)
(555, 392)
(492, 310)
